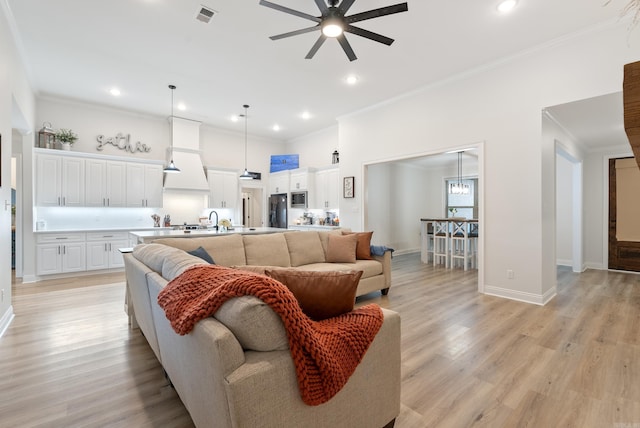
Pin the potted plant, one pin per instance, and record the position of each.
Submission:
(66, 137)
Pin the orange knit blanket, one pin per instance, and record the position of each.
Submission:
(325, 353)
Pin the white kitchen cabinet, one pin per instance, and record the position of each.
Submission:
(302, 179)
(144, 185)
(279, 182)
(223, 189)
(327, 195)
(103, 249)
(60, 181)
(60, 253)
(105, 183)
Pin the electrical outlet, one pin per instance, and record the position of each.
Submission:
(509, 274)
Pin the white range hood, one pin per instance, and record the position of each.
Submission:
(186, 156)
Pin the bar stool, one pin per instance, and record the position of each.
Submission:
(441, 242)
(460, 250)
(473, 243)
(427, 241)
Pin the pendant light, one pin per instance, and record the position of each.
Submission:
(245, 175)
(171, 168)
(459, 188)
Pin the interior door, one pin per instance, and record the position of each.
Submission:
(624, 212)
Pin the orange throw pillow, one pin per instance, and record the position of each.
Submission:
(342, 248)
(363, 248)
(321, 295)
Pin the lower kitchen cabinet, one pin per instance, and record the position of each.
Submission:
(102, 250)
(60, 253)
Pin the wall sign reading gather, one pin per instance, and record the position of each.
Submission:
(123, 142)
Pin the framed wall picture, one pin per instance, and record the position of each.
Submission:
(348, 188)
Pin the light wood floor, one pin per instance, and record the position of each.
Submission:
(70, 360)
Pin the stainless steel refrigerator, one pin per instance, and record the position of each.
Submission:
(278, 210)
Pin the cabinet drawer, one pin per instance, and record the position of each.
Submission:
(107, 236)
(50, 238)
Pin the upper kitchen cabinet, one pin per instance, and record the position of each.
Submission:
(60, 181)
(327, 189)
(279, 182)
(223, 188)
(302, 179)
(144, 185)
(106, 183)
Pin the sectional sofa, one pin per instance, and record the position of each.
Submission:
(235, 368)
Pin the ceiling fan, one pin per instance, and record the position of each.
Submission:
(333, 23)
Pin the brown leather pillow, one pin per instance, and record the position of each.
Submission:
(342, 248)
(363, 247)
(321, 295)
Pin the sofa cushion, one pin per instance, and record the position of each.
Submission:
(227, 250)
(256, 269)
(324, 239)
(177, 263)
(342, 248)
(202, 253)
(363, 249)
(321, 295)
(153, 255)
(304, 248)
(254, 324)
(266, 250)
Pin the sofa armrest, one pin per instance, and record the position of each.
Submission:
(264, 391)
(386, 266)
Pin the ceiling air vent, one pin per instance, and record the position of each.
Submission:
(205, 14)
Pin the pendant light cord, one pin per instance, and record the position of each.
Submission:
(246, 118)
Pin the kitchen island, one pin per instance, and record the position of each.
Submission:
(149, 236)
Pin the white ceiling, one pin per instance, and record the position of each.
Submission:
(80, 49)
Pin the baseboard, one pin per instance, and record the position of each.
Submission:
(6, 320)
(521, 296)
(563, 262)
(407, 251)
(596, 266)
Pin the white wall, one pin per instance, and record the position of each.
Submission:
(500, 106)
(16, 111)
(315, 149)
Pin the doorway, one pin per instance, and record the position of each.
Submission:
(252, 206)
(624, 210)
(569, 233)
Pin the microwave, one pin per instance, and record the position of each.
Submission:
(299, 199)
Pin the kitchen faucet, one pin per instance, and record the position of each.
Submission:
(216, 223)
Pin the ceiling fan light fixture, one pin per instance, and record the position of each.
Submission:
(332, 27)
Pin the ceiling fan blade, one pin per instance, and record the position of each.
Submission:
(375, 13)
(345, 5)
(295, 33)
(369, 35)
(322, 5)
(316, 46)
(290, 11)
(346, 47)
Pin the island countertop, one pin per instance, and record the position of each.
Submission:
(149, 236)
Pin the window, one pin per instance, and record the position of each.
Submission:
(464, 205)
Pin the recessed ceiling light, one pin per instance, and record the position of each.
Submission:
(276, 127)
(306, 115)
(506, 6)
(234, 118)
(115, 92)
(352, 79)
(182, 107)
